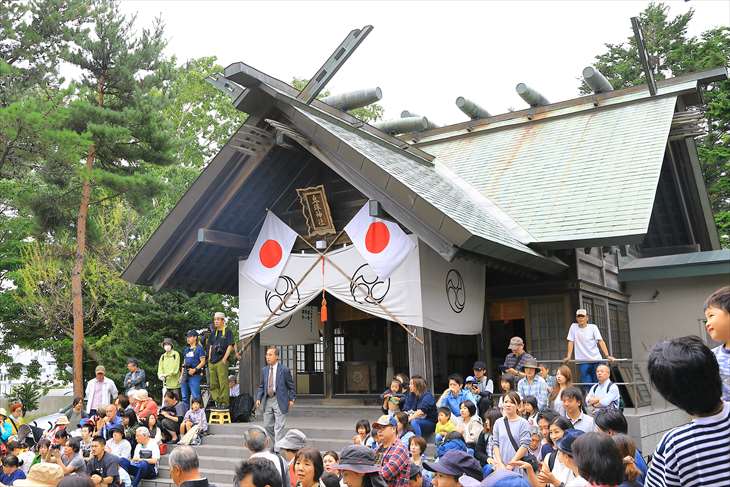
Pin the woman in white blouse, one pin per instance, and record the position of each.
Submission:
(118, 445)
(563, 379)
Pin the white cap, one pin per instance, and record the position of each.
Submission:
(219, 314)
(581, 312)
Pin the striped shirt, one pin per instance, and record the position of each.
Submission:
(696, 454)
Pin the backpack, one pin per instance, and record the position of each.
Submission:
(242, 408)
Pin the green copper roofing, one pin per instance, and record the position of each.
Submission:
(695, 264)
(587, 176)
(497, 235)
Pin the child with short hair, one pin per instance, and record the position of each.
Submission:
(530, 411)
(393, 397)
(444, 425)
(363, 438)
(717, 312)
(194, 416)
(685, 372)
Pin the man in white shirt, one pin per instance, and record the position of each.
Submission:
(586, 339)
(257, 441)
(99, 390)
(144, 459)
(605, 394)
(572, 402)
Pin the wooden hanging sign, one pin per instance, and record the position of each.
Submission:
(316, 211)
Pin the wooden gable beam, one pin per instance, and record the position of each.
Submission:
(224, 239)
(210, 212)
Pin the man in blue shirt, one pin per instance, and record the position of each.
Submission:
(605, 394)
(533, 385)
(455, 395)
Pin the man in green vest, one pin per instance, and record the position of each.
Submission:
(220, 347)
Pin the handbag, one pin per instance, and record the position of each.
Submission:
(529, 457)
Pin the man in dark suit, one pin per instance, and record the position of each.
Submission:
(276, 393)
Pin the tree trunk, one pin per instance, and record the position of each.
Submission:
(78, 268)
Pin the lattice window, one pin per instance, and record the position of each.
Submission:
(319, 355)
(548, 328)
(620, 334)
(287, 356)
(301, 358)
(339, 349)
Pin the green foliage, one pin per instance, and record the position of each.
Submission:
(28, 394)
(33, 36)
(155, 130)
(673, 53)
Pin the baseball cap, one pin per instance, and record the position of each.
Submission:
(384, 421)
(479, 365)
(515, 342)
(100, 369)
(293, 440)
(470, 380)
(456, 463)
(192, 333)
(565, 444)
(581, 312)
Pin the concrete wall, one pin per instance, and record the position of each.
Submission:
(648, 426)
(676, 311)
(49, 404)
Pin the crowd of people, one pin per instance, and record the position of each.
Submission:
(542, 431)
(117, 436)
(537, 430)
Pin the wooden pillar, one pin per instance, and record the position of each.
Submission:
(329, 351)
(249, 367)
(389, 369)
(420, 361)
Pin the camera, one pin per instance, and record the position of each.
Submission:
(98, 471)
(86, 453)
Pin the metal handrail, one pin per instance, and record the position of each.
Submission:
(633, 384)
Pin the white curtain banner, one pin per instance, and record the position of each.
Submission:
(425, 290)
(300, 328)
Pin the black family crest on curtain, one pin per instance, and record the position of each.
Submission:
(366, 287)
(284, 286)
(455, 290)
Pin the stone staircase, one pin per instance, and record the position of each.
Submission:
(328, 425)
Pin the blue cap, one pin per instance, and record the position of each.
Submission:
(500, 478)
(456, 463)
(385, 420)
(471, 380)
(565, 444)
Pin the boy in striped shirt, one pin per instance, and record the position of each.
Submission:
(686, 373)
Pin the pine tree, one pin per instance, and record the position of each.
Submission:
(673, 53)
(119, 108)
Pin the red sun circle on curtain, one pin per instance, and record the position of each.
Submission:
(377, 237)
(270, 253)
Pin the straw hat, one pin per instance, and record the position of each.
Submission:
(42, 475)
